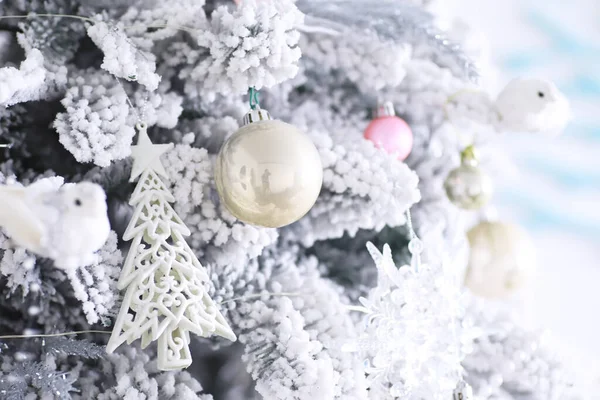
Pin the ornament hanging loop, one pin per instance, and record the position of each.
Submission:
(415, 246)
(253, 98)
(469, 156)
(256, 113)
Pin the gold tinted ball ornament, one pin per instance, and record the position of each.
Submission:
(467, 186)
(268, 173)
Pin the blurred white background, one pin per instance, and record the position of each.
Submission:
(556, 192)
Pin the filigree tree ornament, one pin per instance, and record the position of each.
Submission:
(166, 297)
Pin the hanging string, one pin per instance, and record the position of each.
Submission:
(47, 335)
(409, 224)
(253, 98)
(259, 295)
(34, 15)
(88, 19)
(415, 246)
(140, 116)
(243, 298)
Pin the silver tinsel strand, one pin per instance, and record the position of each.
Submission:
(392, 20)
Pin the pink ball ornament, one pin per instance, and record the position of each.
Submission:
(390, 132)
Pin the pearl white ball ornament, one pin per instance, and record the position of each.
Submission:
(502, 259)
(268, 173)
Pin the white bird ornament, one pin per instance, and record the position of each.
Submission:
(524, 105)
(532, 105)
(66, 223)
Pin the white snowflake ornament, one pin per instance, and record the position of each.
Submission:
(532, 105)
(412, 340)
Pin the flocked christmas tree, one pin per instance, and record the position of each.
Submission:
(166, 297)
(75, 74)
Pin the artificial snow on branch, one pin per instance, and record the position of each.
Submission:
(166, 19)
(326, 319)
(131, 374)
(25, 83)
(366, 62)
(158, 108)
(210, 132)
(96, 285)
(390, 20)
(17, 266)
(96, 125)
(58, 41)
(510, 360)
(255, 45)
(121, 56)
(279, 351)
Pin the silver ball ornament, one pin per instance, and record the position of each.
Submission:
(502, 259)
(467, 186)
(268, 173)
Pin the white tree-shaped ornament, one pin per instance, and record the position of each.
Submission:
(166, 296)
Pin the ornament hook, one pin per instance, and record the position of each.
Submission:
(253, 98)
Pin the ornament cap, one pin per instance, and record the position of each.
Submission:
(385, 109)
(469, 156)
(256, 115)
